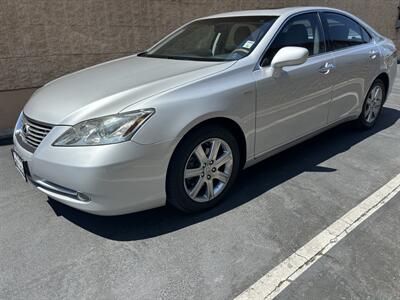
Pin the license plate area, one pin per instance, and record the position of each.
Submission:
(21, 165)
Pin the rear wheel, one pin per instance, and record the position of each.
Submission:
(202, 169)
(372, 105)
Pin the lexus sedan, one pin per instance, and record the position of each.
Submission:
(176, 123)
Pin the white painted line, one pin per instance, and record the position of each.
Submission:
(280, 277)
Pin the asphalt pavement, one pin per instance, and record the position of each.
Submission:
(365, 265)
(51, 251)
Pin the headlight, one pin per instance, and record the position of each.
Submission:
(106, 130)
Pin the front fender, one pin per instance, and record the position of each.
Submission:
(230, 96)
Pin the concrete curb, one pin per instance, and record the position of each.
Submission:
(6, 134)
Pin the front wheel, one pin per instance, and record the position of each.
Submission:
(372, 105)
(202, 169)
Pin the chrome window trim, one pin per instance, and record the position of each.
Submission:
(317, 11)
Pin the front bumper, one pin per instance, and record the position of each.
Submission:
(103, 180)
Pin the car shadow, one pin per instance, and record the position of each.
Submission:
(252, 182)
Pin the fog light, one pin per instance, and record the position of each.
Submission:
(83, 197)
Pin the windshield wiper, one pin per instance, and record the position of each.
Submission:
(145, 54)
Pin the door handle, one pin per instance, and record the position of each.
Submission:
(326, 69)
(373, 54)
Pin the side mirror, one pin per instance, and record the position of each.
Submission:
(289, 56)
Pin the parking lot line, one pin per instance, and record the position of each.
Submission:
(275, 281)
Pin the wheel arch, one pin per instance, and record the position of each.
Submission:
(386, 81)
(224, 122)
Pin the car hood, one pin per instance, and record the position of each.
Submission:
(110, 87)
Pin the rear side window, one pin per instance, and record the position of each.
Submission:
(366, 36)
(343, 32)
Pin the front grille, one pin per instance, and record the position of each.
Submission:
(34, 132)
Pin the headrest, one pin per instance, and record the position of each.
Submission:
(296, 35)
(241, 34)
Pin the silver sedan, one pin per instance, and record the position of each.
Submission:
(177, 122)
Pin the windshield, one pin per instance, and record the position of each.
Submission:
(219, 39)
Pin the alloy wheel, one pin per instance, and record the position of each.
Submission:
(208, 170)
(373, 104)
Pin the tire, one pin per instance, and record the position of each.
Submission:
(372, 106)
(183, 190)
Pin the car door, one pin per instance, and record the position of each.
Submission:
(297, 101)
(356, 64)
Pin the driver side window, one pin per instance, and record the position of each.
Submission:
(302, 31)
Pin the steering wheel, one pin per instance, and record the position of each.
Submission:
(245, 51)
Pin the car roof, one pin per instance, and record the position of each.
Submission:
(288, 11)
(270, 12)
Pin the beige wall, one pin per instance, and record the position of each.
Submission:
(43, 39)
(11, 103)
